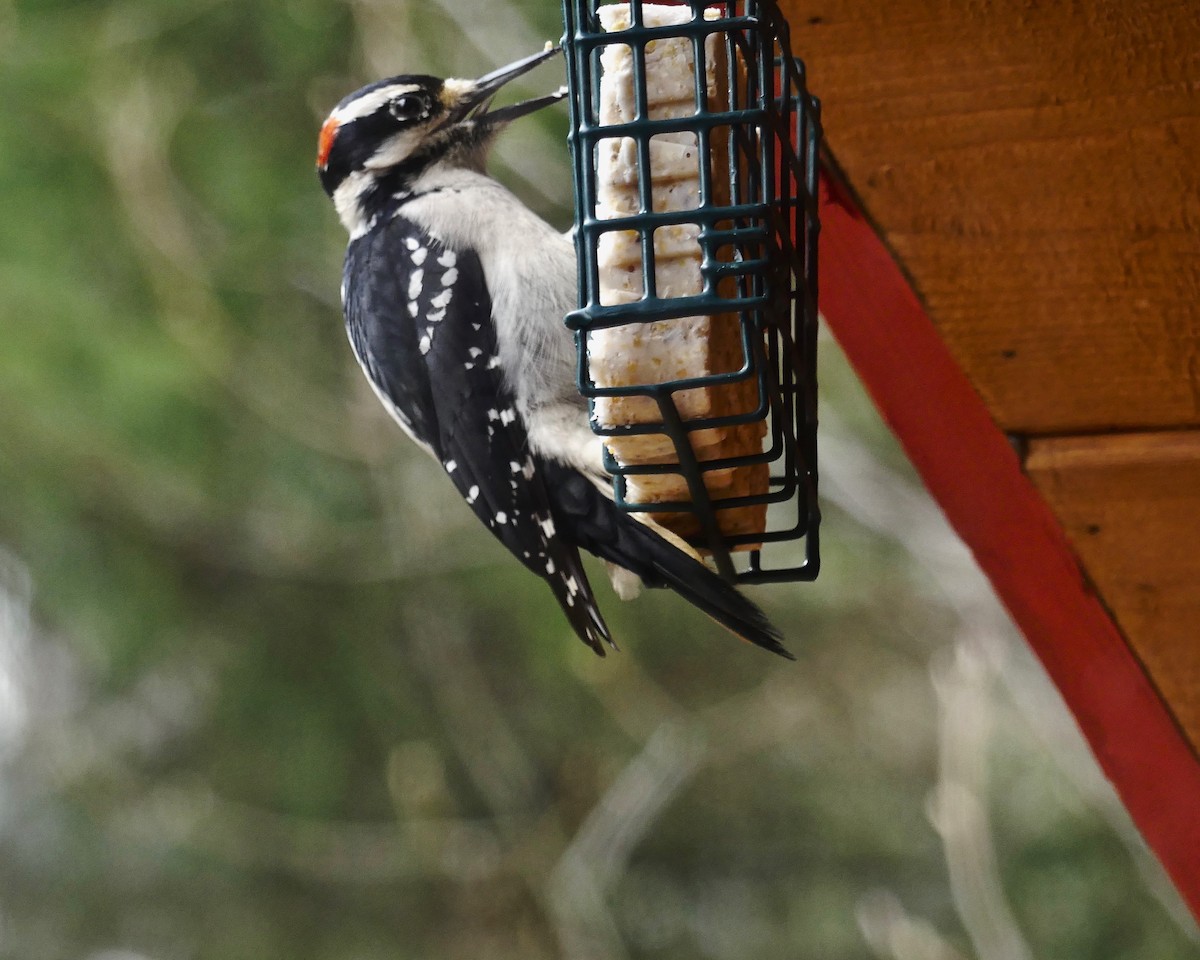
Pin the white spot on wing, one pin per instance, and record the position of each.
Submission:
(414, 283)
(419, 255)
(472, 494)
(450, 277)
(448, 258)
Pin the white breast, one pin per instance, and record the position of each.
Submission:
(531, 275)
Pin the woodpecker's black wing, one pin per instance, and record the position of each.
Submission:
(419, 319)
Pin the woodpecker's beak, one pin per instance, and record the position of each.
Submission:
(474, 97)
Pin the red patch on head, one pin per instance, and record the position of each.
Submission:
(325, 141)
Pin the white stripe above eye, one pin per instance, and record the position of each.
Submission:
(368, 103)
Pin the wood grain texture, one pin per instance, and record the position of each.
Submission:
(1131, 506)
(1034, 167)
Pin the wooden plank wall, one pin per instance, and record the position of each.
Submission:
(1035, 170)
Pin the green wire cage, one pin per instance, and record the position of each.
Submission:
(756, 132)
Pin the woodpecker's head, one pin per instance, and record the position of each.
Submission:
(396, 129)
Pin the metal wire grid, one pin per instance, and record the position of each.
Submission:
(760, 248)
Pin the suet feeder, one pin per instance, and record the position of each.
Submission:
(724, 452)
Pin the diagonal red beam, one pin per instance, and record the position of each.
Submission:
(972, 471)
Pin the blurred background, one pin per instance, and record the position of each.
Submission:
(268, 690)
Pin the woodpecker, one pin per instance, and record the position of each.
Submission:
(454, 295)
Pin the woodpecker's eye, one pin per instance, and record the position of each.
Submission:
(409, 106)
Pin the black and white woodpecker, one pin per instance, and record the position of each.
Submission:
(454, 294)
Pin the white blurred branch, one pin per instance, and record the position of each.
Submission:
(958, 807)
(600, 851)
(894, 934)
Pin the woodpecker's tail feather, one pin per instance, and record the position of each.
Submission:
(703, 588)
(596, 524)
(574, 594)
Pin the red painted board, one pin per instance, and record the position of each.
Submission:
(972, 471)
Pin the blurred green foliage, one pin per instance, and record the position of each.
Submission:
(266, 688)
